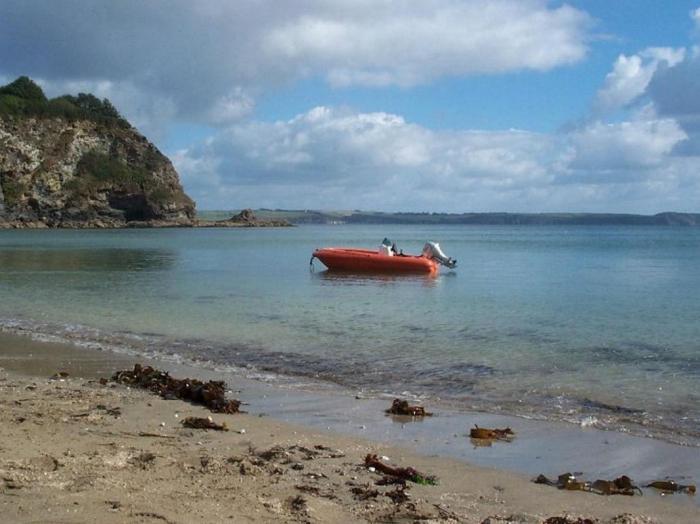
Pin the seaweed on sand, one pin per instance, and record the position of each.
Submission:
(211, 394)
(408, 473)
(203, 423)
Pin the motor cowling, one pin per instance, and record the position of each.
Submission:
(432, 250)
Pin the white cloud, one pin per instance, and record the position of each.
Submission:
(631, 75)
(378, 44)
(362, 160)
(603, 148)
(331, 158)
(657, 83)
(231, 107)
(670, 55)
(209, 59)
(199, 175)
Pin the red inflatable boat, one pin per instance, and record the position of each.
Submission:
(353, 259)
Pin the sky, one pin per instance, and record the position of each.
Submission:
(415, 105)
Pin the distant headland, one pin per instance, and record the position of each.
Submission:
(75, 162)
(505, 219)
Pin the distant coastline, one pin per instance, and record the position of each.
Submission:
(498, 219)
(246, 218)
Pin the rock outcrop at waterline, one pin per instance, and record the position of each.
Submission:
(247, 218)
(75, 162)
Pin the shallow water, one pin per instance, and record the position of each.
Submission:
(596, 325)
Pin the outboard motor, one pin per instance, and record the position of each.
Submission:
(432, 250)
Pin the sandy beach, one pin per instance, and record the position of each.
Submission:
(77, 449)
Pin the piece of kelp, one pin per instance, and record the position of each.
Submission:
(408, 473)
(491, 433)
(672, 486)
(620, 486)
(558, 519)
(569, 520)
(402, 407)
(211, 394)
(203, 423)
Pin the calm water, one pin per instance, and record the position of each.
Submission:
(594, 325)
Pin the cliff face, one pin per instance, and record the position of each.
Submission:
(61, 173)
(77, 172)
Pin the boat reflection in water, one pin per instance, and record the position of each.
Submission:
(368, 278)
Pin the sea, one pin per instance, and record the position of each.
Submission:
(596, 326)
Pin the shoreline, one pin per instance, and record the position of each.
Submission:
(542, 446)
(137, 224)
(246, 218)
(607, 418)
(335, 418)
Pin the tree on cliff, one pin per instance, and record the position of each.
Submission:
(24, 88)
(24, 97)
(91, 105)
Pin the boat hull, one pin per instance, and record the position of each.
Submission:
(351, 259)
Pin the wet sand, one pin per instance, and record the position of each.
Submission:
(70, 451)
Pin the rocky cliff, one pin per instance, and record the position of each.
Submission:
(74, 162)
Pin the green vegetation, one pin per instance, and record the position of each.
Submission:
(424, 481)
(12, 190)
(162, 195)
(24, 97)
(24, 88)
(96, 171)
(105, 168)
